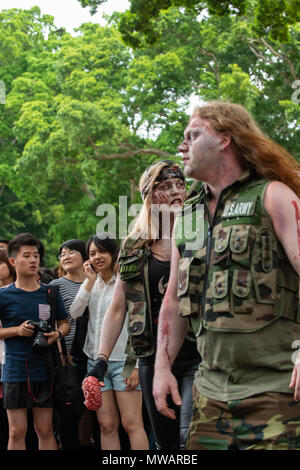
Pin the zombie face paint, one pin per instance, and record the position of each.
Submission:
(200, 148)
(170, 192)
(173, 170)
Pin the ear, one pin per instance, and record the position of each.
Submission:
(225, 140)
(12, 261)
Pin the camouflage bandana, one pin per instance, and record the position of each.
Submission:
(166, 173)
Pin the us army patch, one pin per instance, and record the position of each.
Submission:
(239, 209)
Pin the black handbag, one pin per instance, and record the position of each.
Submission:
(67, 394)
(80, 334)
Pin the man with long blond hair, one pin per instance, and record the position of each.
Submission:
(238, 288)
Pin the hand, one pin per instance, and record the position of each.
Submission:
(133, 381)
(89, 271)
(52, 337)
(295, 380)
(98, 370)
(164, 383)
(25, 329)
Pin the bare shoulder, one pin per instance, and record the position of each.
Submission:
(276, 189)
(283, 206)
(280, 200)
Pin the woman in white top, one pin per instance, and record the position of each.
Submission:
(119, 395)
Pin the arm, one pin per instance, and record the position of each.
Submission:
(133, 381)
(82, 298)
(110, 331)
(22, 330)
(283, 206)
(113, 319)
(62, 330)
(172, 331)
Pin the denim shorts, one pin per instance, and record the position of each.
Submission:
(113, 379)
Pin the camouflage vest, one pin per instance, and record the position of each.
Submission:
(133, 266)
(238, 278)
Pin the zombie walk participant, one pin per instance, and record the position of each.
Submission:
(144, 265)
(238, 289)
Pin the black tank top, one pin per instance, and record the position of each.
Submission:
(158, 275)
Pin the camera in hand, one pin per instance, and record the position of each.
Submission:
(40, 342)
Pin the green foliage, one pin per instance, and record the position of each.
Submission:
(271, 17)
(86, 114)
(93, 4)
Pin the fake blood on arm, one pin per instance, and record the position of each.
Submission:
(297, 215)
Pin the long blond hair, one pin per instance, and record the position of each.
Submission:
(146, 227)
(270, 160)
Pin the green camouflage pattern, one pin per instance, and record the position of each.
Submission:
(269, 421)
(133, 264)
(250, 281)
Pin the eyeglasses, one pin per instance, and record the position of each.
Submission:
(68, 253)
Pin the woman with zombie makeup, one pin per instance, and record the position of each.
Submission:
(144, 265)
(120, 396)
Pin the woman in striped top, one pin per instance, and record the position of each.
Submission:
(71, 255)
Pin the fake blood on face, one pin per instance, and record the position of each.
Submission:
(297, 215)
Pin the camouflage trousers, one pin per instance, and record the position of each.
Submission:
(269, 421)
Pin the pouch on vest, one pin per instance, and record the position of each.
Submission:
(221, 246)
(240, 245)
(140, 340)
(264, 267)
(190, 284)
(130, 272)
(130, 264)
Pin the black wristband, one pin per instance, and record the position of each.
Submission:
(98, 370)
(60, 335)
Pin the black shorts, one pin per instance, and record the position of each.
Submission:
(17, 395)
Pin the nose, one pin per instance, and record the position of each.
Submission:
(175, 190)
(183, 147)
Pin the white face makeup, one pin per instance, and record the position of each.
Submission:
(200, 148)
(170, 192)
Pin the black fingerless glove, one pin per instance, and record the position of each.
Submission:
(98, 370)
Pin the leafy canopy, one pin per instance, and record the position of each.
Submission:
(86, 114)
(270, 17)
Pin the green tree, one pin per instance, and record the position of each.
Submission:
(270, 17)
(85, 114)
(22, 34)
(79, 137)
